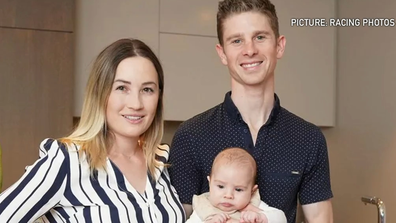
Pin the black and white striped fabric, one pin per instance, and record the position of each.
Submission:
(58, 187)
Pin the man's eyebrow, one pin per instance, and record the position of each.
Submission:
(234, 36)
(258, 32)
(255, 33)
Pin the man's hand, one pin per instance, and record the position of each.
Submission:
(253, 217)
(217, 218)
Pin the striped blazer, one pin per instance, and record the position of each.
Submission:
(58, 187)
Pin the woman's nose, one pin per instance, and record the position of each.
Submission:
(134, 101)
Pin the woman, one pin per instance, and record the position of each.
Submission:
(112, 167)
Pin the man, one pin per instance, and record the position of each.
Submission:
(291, 153)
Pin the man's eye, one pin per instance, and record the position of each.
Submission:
(260, 37)
(237, 41)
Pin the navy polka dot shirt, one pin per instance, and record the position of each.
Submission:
(291, 155)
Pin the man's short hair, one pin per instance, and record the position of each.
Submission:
(228, 8)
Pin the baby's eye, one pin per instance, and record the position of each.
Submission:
(220, 186)
(238, 189)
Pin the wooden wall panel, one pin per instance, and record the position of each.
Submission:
(36, 90)
(37, 14)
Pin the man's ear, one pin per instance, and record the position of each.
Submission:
(281, 45)
(220, 52)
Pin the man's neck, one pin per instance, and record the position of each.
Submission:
(254, 103)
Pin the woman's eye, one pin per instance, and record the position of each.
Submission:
(148, 90)
(121, 88)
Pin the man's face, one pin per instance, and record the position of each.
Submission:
(250, 48)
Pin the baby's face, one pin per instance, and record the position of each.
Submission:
(231, 187)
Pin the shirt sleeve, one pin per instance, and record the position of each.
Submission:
(40, 188)
(315, 186)
(184, 174)
(194, 218)
(274, 215)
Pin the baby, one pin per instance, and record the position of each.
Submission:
(233, 195)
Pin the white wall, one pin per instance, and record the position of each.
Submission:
(183, 34)
(362, 146)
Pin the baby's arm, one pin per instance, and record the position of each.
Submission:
(218, 218)
(253, 217)
(263, 213)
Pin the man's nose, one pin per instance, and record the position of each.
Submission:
(250, 49)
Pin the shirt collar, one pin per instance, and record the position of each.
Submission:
(235, 115)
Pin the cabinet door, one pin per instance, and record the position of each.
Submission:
(36, 89)
(193, 18)
(101, 22)
(37, 14)
(196, 80)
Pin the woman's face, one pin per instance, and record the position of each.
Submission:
(133, 99)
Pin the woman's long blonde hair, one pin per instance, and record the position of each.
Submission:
(91, 133)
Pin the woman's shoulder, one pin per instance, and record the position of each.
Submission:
(162, 152)
(51, 145)
(164, 147)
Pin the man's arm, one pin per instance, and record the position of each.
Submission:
(188, 209)
(193, 218)
(320, 212)
(184, 175)
(315, 191)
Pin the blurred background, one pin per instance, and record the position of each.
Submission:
(342, 79)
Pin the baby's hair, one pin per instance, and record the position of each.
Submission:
(238, 156)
